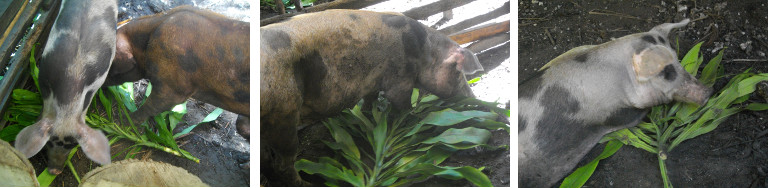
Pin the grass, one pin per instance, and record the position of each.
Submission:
(386, 147)
(670, 124)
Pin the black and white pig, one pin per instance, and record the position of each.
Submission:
(75, 62)
(593, 90)
(320, 63)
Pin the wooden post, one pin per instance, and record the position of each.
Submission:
(480, 32)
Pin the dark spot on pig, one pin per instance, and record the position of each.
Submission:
(244, 77)
(649, 39)
(189, 61)
(58, 143)
(353, 16)
(69, 139)
(521, 123)
(559, 107)
(661, 39)
(87, 100)
(530, 86)
(242, 96)
(69, 142)
(414, 39)
(54, 138)
(582, 57)
(313, 70)
(276, 39)
(669, 73)
(393, 21)
(624, 116)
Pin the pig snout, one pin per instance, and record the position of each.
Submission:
(693, 91)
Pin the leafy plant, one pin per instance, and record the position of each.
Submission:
(385, 147)
(671, 124)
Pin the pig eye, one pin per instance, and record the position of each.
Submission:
(669, 73)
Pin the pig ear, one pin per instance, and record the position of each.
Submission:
(466, 61)
(666, 27)
(650, 62)
(32, 138)
(95, 145)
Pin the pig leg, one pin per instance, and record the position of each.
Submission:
(161, 99)
(244, 127)
(280, 148)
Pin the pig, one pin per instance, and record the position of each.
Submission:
(74, 65)
(186, 52)
(593, 90)
(281, 6)
(316, 65)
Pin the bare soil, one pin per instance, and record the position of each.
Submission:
(732, 155)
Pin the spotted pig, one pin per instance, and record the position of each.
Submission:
(74, 65)
(318, 64)
(593, 90)
(186, 52)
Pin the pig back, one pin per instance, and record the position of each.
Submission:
(334, 58)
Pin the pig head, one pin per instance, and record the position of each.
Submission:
(593, 90)
(186, 52)
(320, 63)
(75, 62)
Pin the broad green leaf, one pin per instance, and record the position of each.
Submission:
(757, 106)
(329, 171)
(450, 117)
(469, 134)
(414, 97)
(472, 174)
(582, 174)
(709, 74)
(9, 133)
(45, 178)
(690, 60)
(343, 139)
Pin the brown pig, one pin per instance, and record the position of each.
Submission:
(318, 64)
(186, 52)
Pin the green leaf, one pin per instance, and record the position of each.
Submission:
(328, 171)
(450, 117)
(474, 80)
(343, 139)
(709, 74)
(582, 174)
(691, 59)
(757, 106)
(472, 174)
(469, 134)
(45, 178)
(9, 133)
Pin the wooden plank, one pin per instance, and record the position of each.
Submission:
(9, 17)
(339, 4)
(20, 62)
(16, 32)
(8, 11)
(489, 42)
(476, 20)
(480, 32)
(420, 13)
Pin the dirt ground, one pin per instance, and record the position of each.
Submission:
(220, 149)
(497, 67)
(732, 155)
